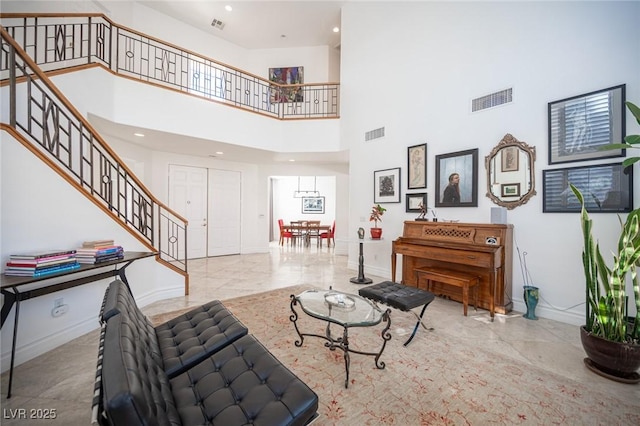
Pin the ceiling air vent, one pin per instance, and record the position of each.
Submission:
(374, 134)
(492, 100)
(217, 24)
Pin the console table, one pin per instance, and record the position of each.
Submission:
(11, 288)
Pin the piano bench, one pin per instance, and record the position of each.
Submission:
(399, 296)
(464, 280)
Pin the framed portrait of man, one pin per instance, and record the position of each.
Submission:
(457, 179)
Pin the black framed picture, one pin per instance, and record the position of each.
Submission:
(386, 186)
(313, 205)
(416, 202)
(580, 125)
(607, 188)
(457, 179)
(417, 166)
(510, 189)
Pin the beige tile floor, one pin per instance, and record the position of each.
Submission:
(62, 379)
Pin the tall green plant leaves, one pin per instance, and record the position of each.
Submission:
(606, 311)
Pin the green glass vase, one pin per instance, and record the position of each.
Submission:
(531, 295)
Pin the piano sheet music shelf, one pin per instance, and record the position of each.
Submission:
(485, 249)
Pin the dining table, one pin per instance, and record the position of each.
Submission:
(302, 230)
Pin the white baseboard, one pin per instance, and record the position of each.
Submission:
(35, 348)
(542, 311)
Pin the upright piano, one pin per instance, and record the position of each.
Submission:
(483, 249)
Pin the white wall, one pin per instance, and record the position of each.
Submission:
(425, 61)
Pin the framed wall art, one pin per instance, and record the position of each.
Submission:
(415, 201)
(510, 189)
(457, 179)
(417, 166)
(510, 159)
(386, 186)
(286, 76)
(607, 188)
(313, 205)
(580, 125)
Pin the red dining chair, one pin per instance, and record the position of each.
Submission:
(284, 234)
(329, 235)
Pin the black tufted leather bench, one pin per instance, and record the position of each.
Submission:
(219, 373)
(401, 297)
(185, 340)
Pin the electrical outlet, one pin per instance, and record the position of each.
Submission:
(59, 310)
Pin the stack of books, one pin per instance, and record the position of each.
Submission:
(37, 264)
(100, 251)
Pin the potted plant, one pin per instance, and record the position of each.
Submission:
(376, 215)
(610, 337)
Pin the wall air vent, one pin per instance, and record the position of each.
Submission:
(492, 100)
(374, 134)
(217, 24)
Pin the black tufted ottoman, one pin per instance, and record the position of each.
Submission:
(401, 297)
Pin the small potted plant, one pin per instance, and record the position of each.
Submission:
(376, 215)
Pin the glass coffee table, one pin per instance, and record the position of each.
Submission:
(345, 310)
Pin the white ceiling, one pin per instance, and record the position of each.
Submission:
(252, 25)
(260, 24)
(181, 144)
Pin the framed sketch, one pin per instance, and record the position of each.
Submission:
(607, 188)
(510, 189)
(313, 205)
(457, 179)
(510, 159)
(417, 166)
(414, 202)
(386, 186)
(580, 125)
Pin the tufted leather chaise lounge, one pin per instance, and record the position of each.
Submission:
(199, 368)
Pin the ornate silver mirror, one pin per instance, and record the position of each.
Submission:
(510, 173)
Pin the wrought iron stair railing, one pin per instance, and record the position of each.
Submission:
(44, 121)
(64, 41)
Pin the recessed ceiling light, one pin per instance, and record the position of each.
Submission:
(219, 152)
(336, 29)
(138, 134)
(228, 8)
(292, 160)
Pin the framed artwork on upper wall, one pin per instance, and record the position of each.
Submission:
(286, 76)
(580, 125)
(386, 186)
(607, 188)
(457, 179)
(417, 166)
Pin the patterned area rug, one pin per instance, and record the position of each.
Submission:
(436, 380)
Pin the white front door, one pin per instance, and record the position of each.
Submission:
(224, 212)
(188, 197)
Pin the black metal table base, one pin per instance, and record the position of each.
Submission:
(361, 279)
(342, 342)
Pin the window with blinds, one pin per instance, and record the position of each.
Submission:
(579, 126)
(606, 188)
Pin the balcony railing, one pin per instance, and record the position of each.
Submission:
(40, 117)
(61, 41)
